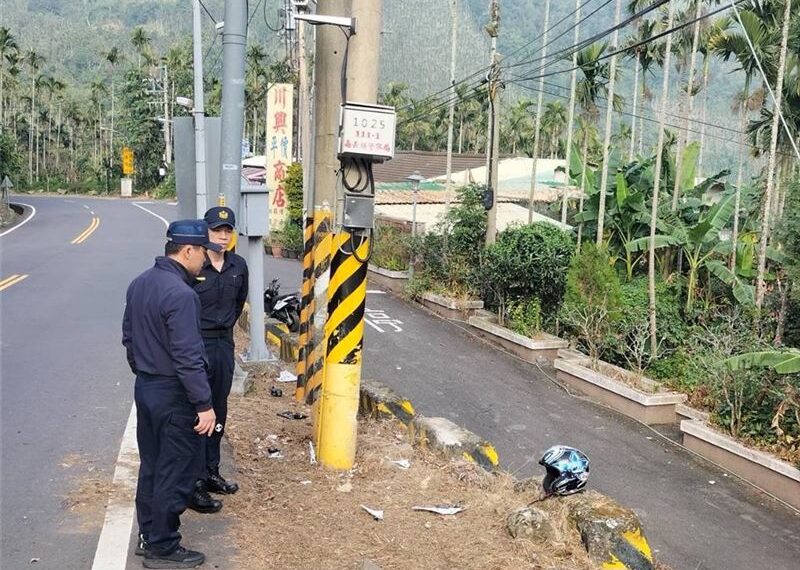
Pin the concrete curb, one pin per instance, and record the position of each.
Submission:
(440, 434)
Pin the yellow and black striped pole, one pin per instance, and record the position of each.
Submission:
(314, 351)
(306, 307)
(336, 409)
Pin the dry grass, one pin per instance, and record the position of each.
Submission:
(291, 514)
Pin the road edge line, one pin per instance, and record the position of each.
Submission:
(166, 223)
(114, 541)
(23, 222)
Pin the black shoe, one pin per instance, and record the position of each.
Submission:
(180, 558)
(141, 546)
(216, 483)
(201, 501)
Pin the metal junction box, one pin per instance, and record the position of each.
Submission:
(367, 131)
(254, 213)
(359, 211)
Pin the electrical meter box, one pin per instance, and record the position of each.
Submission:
(367, 131)
(254, 215)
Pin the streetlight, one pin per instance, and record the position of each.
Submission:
(415, 179)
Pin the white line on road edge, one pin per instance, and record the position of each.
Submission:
(166, 223)
(23, 222)
(112, 548)
(376, 292)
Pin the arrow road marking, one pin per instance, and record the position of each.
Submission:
(84, 235)
(12, 280)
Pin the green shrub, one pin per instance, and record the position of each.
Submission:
(525, 317)
(293, 185)
(592, 305)
(526, 261)
(390, 248)
(292, 235)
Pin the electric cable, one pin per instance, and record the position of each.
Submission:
(207, 12)
(277, 30)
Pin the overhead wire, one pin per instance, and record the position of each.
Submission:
(207, 12)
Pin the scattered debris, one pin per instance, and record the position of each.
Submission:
(711, 482)
(306, 482)
(312, 455)
(274, 453)
(287, 376)
(402, 463)
(376, 514)
(345, 487)
(289, 415)
(275, 392)
(440, 509)
(34, 560)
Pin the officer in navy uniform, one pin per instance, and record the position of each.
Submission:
(161, 334)
(222, 288)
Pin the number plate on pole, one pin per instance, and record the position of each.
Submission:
(367, 131)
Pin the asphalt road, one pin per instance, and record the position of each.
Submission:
(696, 516)
(65, 388)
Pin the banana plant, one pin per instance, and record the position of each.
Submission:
(781, 361)
(698, 241)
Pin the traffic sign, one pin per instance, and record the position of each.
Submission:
(6, 184)
(127, 160)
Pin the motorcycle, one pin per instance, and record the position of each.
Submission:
(285, 308)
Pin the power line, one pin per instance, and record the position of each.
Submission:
(207, 12)
(250, 19)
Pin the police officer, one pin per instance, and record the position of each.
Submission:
(161, 334)
(222, 288)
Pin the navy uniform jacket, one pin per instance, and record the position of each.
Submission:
(161, 329)
(222, 294)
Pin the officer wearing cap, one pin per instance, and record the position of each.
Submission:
(161, 334)
(222, 288)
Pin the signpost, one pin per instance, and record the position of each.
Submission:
(5, 186)
(280, 103)
(127, 169)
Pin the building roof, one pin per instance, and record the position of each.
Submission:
(430, 164)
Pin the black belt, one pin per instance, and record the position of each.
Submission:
(217, 333)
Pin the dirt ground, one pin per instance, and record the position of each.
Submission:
(291, 514)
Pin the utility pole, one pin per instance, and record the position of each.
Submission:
(344, 329)
(320, 167)
(538, 119)
(452, 109)
(493, 144)
(203, 199)
(234, 41)
(165, 97)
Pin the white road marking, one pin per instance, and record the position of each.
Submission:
(373, 325)
(138, 205)
(85, 206)
(113, 545)
(375, 292)
(23, 222)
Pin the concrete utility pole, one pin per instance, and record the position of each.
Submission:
(493, 144)
(344, 328)
(167, 129)
(452, 109)
(203, 199)
(320, 167)
(234, 41)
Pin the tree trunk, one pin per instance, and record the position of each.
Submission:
(761, 285)
(31, 129)
(739, 174)
(601, 212)
(703, 118)
(651, 254)
(538, 119)
(641, 125)
(585, 158)
(571, 112)
(632, 151)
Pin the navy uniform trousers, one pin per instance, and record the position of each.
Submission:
(219, 352)
(170, 453)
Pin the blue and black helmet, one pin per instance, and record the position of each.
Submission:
(567, 470)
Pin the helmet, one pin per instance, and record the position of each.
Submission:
(567, 470)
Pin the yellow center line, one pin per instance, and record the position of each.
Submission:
(83, 236)
(12, 280)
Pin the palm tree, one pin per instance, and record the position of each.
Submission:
(112, 57)
(140, 41)
(517, 129)
(589, 89)
(538, 116)
(8, 46)
(649, 54)
(553, 122)
(98, 93)
(651, 257)
(765, 211)
(34, 61)
(255, 73)
(709, 36)
(601, 214)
